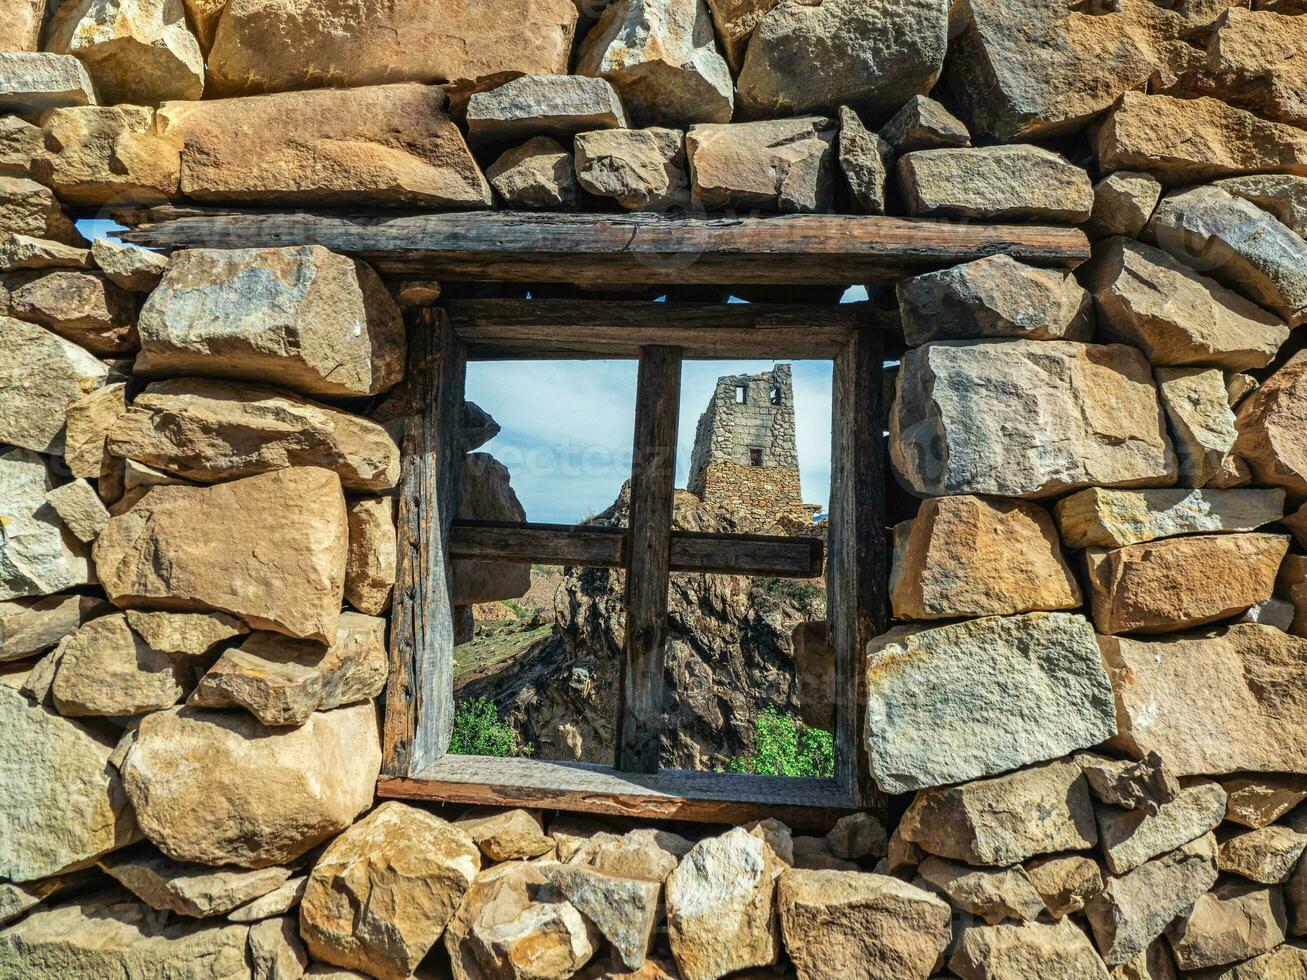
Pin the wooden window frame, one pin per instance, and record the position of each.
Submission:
(419, 700)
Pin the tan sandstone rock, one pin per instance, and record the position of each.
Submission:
(1201, 424)
(269, 46)
(199, 783)
(1164, 586)
(282, 681)
(872, 56)
(537, 174)
(497, 897)
(1100, 518)
(1129, 838)
(1174, 315)
(994, 417)
(40, 373)
(277, 559)
(111, 937)
(1188, 141)
(1031, 949)
(137, 51)
(1123, 203)
(543, 105)
(211, 431)
(29, 208)
(1258, 801)
(101, 155)
(865, 160)
(784, 165)
(1065, 882)
(188, 889)
(993, 894)
(373, 554)
(22, 31)
(80, 509)
(191, 634)
(279, 901)
(485, 494)
(301, 317)
(546, 940)
(37, 554)
(1207, 704)
(966, 822)
(276, 950)
(924, 124)
(642, 169)
(996, 183)
(1252, 62)
(106, 669)
(19, 253)
(857, 836)
(64, 804)
(79, 306)
(1268, 855)
(1142, 785)
(1238, 244)
(30, 626)
(978, 556)
(1282, 195)
(624, 910)
(32, 82)
(1272, 424)
(662, 59)
(387, 145)
(1234, 921)
(134, 269)
(506, 835)
(1134, 909)
(414, 869)
(996, 296)
(846, 924)
(721, 913)
(89, 419)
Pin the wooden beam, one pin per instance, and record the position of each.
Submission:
(579, 329)
(606, 547)
(420, 688)
(648, 567)
(706, 797)
(858, 576)
(614, 250)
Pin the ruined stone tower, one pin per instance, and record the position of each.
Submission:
(744, 453)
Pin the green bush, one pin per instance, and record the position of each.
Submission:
(803, 595)
(788, 748)
(478, 731)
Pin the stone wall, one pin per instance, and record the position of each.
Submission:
(1089, 712)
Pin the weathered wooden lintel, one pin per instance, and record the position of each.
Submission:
(607, 547)
(617, 250)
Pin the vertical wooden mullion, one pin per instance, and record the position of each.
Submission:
(420, 690)
(653, 489)
(858, 569)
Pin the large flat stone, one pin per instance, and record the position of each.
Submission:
(200, 782)
(33, 82)
(64, 804)
(1133, 910)
(995, 296)
(1238, 244)
(1272, 426)
(872, 55)
(415, 869)
(1188, 141)
(112, 937)
(282, 681)
(301, 317)
(661, 56)
(270, 46)
(1174, 315)
(274, 555)
(785, 165)
(193, 890)
(211, 431)
(839, 923)
(995, 183)
(1097, 518)
(1211, 705)
(1027, 418)
(951, 703)
(38, 555)
(40, 373)
(110, 155)
(384, 146)
(1165, 586)
(1000, 821)
(978, 556)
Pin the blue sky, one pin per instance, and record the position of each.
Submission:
(567, 425)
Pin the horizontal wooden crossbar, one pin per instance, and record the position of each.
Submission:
(584, 329)
(606, 547)
(670, 794)
(618, 250)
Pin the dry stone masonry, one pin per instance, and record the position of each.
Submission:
(1089, 712)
